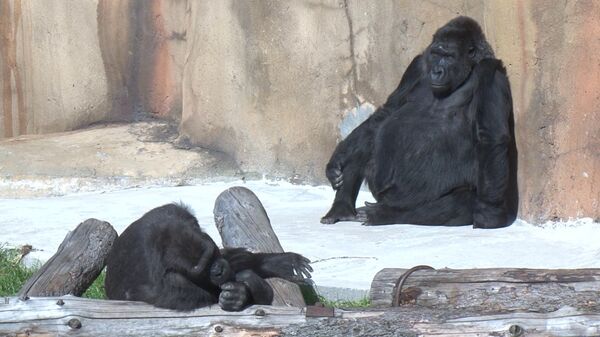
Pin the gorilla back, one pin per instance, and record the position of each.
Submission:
(163, 259)
(441, 150)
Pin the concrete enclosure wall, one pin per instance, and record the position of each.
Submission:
(276, 84)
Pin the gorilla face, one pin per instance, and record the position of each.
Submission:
(449, 63)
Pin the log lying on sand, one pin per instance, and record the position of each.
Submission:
(491, 290)
(72, 316)
(243, 222)
(79, 260)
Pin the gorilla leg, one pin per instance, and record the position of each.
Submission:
(178, 292)
(343, 208)
(260, 291)
(453, 209)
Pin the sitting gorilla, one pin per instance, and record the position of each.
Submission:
(165, 259)
(441, 150)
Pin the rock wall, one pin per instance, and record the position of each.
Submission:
(52, 74)
(549, 49)
(142, 44)
(276, 84)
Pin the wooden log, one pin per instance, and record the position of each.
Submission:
(243, 222)
(79, 260)
(80, 317)
(492, 290)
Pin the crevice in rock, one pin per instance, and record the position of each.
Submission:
(354, 68)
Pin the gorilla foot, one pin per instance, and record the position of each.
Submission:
(331, 219)
(339, 212)
(375, 214)
(362, 215)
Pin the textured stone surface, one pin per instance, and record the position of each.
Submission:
(52, 73)
(113, 157)
(275, 85)
(142, 44)
(264, 81)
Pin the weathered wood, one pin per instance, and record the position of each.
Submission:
(493, 290)
(80, 317)
(243, 222)
(79, 260)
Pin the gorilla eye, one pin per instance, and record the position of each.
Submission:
(472, 52)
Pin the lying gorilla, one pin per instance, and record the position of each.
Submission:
(441, 150)
(165, 259)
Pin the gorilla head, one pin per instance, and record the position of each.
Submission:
(456, 48)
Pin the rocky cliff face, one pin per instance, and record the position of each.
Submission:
(275, 84)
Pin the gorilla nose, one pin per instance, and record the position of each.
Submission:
(437, 73)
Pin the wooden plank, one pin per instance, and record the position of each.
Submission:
(48, 317)
(79, 260)
(80, 317)
(565, 322)
(243, 222)
(495, 290)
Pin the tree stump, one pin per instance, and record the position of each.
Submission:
(79, 260)
(491, 290)
(243, 222)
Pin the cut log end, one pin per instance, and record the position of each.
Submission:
(243, 222)
(74, 267)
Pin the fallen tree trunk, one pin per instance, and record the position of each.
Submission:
(491, 290)
(74, 267)
(243, 222)
(73, 316)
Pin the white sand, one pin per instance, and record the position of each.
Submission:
(344, 255)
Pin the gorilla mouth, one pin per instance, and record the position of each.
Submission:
(440, 90)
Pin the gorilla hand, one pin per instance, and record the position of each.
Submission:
(220, 272)
(334, 174)
(199, 271)
(233, 296)
(290, 266)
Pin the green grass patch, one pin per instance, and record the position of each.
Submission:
(311, 297)
(96, 290)
(361, 303)
(12, 273)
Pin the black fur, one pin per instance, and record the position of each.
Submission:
(165, 259)
(441, 150)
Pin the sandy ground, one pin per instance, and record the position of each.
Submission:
(344, 255)
(51, 184)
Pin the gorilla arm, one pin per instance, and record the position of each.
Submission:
(358, 146)
(175, 253)
(493, 137)
(290, 266)
(250, 271)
